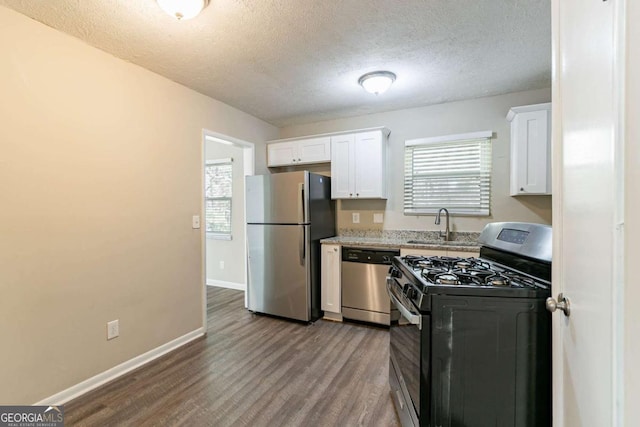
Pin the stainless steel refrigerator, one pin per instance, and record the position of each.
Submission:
(287, 215)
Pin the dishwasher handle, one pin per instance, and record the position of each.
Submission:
(414, 319)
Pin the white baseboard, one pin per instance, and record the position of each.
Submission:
(229, 285)
(117, 371)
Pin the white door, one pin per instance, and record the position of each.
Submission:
(586, 205)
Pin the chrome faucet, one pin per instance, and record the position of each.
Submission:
(446, 231)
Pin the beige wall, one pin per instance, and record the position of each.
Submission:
(100, 173)
(230, 252)
(444, 119)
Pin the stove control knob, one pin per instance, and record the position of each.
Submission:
(410, 292)
(394, 272)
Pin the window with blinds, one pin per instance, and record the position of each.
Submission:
(218, 192)
(452, 172)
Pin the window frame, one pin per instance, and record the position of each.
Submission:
(484, 173)
(215, 234)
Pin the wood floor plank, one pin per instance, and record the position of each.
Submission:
(253, 370)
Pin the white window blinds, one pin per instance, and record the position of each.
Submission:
(218, 186)
(452, 172)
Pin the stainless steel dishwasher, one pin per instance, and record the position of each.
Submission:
(363, 282)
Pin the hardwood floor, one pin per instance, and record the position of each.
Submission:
(253, 370)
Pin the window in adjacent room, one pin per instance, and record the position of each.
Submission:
(218, 184)
(452, 172)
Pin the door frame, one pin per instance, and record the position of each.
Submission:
(248, 159)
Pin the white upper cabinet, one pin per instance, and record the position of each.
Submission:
(359, 165)
(342, 174)
(530, 149)
(282, 153)
(299, 152)
(314, 150)
(370, 164)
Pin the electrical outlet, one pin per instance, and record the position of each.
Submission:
(355, 217)
(195, 222)
(113, 329)
(378, 218)
(221, 265)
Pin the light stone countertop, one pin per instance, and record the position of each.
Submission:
(461, 241)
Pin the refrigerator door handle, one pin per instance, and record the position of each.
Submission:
(302, 245)
(301, 203)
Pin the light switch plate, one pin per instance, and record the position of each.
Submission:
(113, 329)
(378, 218)
(355, 217)
(195, 222)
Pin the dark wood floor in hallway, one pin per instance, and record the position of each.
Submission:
(256, 371)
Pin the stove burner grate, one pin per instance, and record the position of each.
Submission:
(447, 279)
(443, 270)
(498, 280)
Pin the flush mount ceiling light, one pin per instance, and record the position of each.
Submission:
(377, 82)
(183, 9)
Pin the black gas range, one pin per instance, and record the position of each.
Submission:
(472, 346)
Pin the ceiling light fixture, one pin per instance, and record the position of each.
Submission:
(183, 9)
(377, 82)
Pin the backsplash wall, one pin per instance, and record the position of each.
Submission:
(436, 120)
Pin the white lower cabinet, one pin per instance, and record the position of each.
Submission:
(330, 301)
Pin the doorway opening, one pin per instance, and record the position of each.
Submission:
(227, 161)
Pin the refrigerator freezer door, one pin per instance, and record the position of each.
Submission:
(277, 198)
(321, 212)
(279, 277)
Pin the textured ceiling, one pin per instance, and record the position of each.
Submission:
(296, 61)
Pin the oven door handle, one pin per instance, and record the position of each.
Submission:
(414, 319)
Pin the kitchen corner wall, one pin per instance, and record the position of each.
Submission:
(435, 120)
(100, 173)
